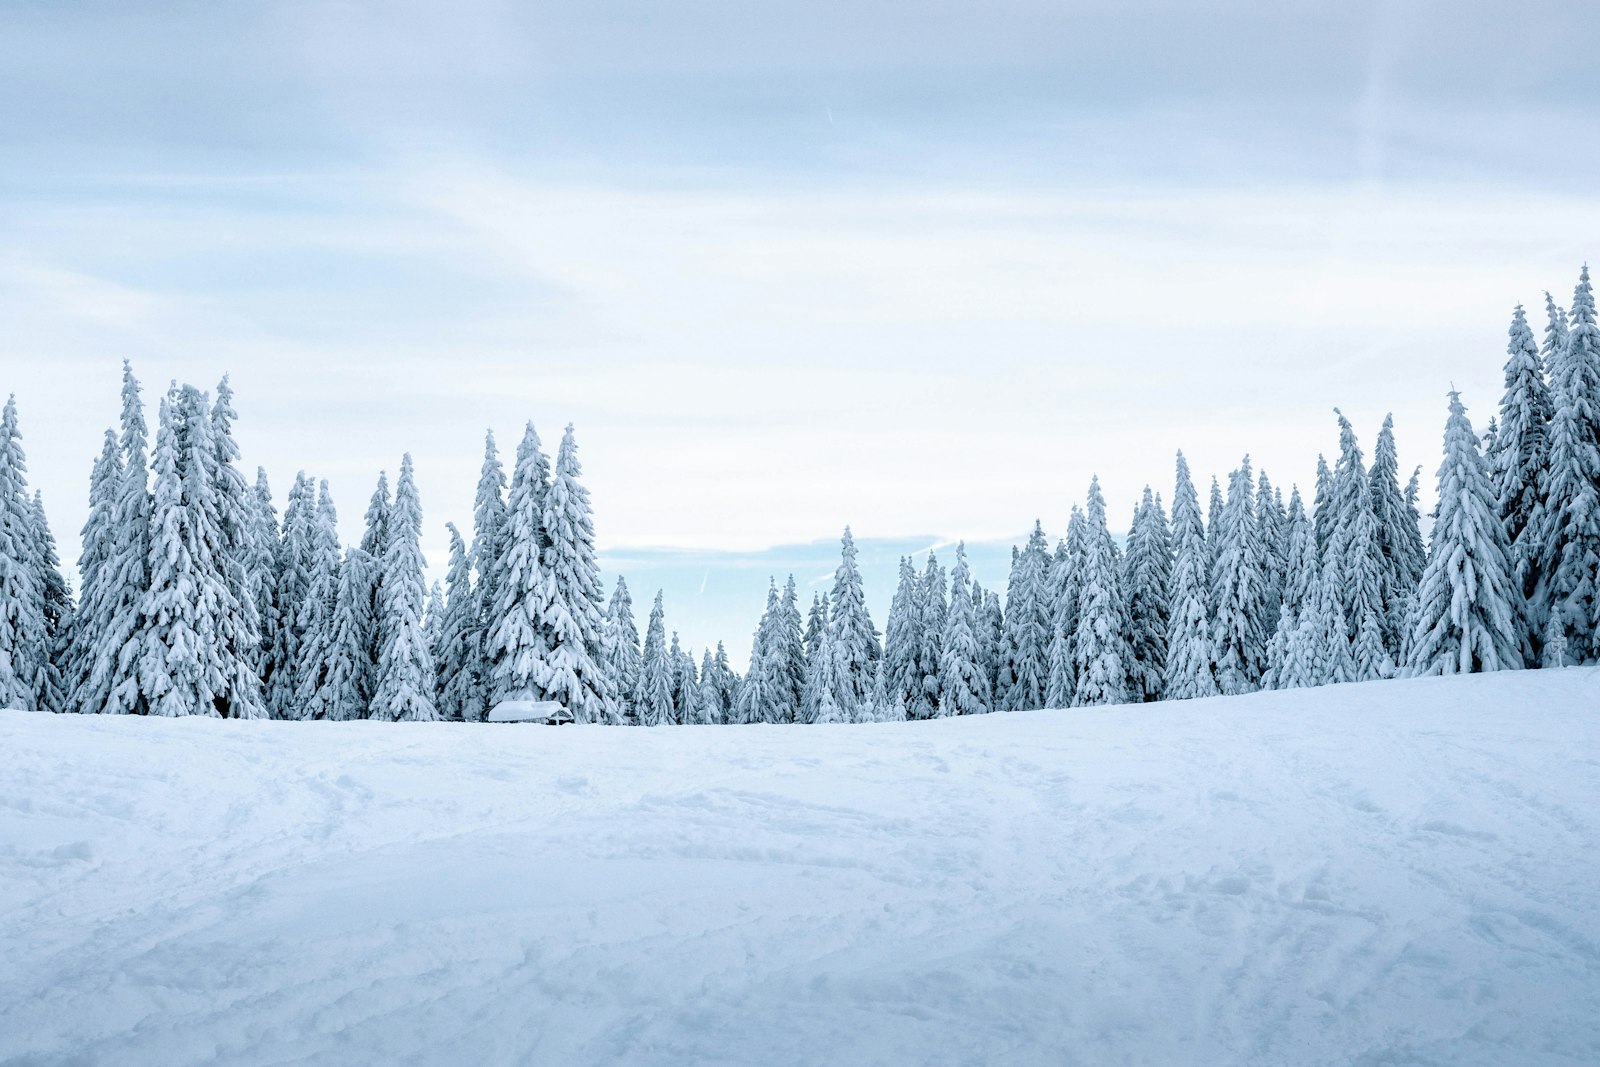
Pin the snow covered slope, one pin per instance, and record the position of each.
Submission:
(1396, 872)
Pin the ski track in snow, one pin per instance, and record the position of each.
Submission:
(1388, 873)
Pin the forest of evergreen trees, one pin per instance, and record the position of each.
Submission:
(195, 597)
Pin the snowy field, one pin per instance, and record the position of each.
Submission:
(1395, 873)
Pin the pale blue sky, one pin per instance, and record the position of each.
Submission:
(919, 267)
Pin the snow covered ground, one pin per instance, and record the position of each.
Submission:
(1397, 872)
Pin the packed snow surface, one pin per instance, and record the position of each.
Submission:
(1395, 872)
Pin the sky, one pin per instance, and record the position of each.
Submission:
(920, 268)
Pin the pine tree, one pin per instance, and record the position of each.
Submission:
(489, 521)
(621, 657)
(317, 612)
(456, 654)
(1324, 515)
(236, 521)
(570, 609)
(1468, 618)
(1278, 673)
(1318, 652)
(825, 683)
(24, 646)
(1063, 587)
(262, 569)
(404, 692)
(170, 673)
(192, 661)
(97, 585)
(1189, 671)
(432, 629)
(786, 655)
(112, 686)
(685, 709)
(756, 690)
(854, 638)
(50, 690)
(293, 585)
(1028, 626)
(1271, 523)
(1237, 582)
(993, 635)
(1301, 569)
(725, 681)
(1522, 447)
(964, 684)
(375, 543)
(902, 642)
(1400, 554)
(712, 694)
(816, 622)
(1100, 645)
(346, 686)
(517, 629)
(653, 698)
(1569, 535)
(1147, 577)
(934, 609)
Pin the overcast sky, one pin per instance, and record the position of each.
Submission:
(923, 268)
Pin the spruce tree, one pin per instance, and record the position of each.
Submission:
(726, 682)
(488, 547)
(24, 647)
(1324, 516)
(1522, 448)
(1028, 626)
(934, 609)
(816, 622)
(1301, 567)
(346, 692)
(405, 689)
(1400, 553)
(1468, 618)
(653, 697)
(786, 655)
(1237, 584)
(1189, 670)
(685, 709)
(282, 678)
(113, 684)
(570, 609)
(262, 569)
(1272, 523)
(456, 655)
(518, 633)
(993, 641)
(1569, 536)
(711, 697)
(621, 657)
(236, 520)
(97, 587)
(317, 612)
(1147, 578)
(964, 684)
(755, 693)
(51, 692)
(854, 638)
(171, 676)
(1063, 585)
(1100, 645)
(902, 642)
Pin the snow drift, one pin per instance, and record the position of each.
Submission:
(1388, 872)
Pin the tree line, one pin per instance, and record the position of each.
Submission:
(197, 598)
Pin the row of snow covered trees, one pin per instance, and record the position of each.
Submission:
(196, 600)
